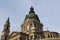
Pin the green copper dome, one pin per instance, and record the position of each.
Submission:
(32, 15)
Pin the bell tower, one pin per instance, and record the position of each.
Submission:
(6, 30)
(32, 25)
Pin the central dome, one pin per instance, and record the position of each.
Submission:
(32, 15)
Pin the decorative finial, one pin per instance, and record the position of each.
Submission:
(31, 10)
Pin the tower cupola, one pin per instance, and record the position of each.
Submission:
(6, 30)
(32, 15)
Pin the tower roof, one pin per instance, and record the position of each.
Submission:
(7, 25)
(7, 22)
(32, 15)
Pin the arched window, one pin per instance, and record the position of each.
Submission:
(48, 36)
(51, 36)
(31, 37)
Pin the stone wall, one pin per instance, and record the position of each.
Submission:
(51, 39)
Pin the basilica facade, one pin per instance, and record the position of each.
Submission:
(31, 29)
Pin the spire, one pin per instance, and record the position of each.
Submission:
(31, 10)
(7, 22)
(6, 30)
(7, 25)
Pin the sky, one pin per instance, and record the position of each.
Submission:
(47, 10)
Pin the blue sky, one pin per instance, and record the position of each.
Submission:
(47, 10)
